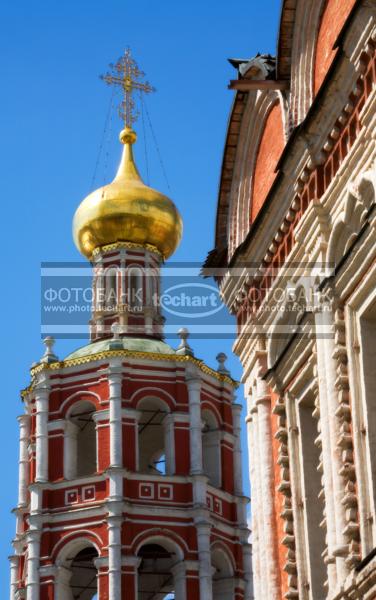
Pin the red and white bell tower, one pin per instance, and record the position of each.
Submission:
(130, 476)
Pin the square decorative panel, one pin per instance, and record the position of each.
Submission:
(146, 490)
(209, 502)
(71, 496)
(217, 505)
(165, 492)
(88, 493)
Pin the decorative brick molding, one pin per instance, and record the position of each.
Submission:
(345, 442)
(290, 566)
(313, 182)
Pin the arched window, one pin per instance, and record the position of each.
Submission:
(135, 288)
(223, 575)
(211, 448)
(111, 294)
(155, 438)
(76, 573)
(80, 446)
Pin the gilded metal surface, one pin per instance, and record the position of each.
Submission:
(127, 210)
(127, 246)
(132, 354)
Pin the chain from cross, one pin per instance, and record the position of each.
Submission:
(126, 75)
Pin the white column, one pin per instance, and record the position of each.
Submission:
(114, 557)
(41, 434)
(204, 558)
(195, 429)
(101, 564)
(255, 481)
(169, 429)
(23, 465)
(247, 566)
(238, 472)
(13, 576)
(265, 439)
(180, 582)
(33, 560)
(116, 437)
(70, 450)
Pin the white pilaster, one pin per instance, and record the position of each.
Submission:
(116, 484)
(114, 557)
(33, 561)
(23, 465)
(238, 472)
(180, 581)
(203, 529)
(41, 433)
(13, 576)
(116, 436)
(195, 429)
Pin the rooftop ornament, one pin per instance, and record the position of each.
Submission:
(221, 358)
(49, 356)
(184, 347)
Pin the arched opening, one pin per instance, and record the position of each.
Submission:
(111, 289)
(84, 575)
(80, 449)
(155, 443)
(135, 288)
(161, 571)
(152, 287)
(223, 575)
(211, 448)
(76, 577)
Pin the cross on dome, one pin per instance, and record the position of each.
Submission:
(126, 75)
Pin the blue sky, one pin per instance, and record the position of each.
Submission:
(53, 109)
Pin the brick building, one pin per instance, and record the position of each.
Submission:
(295, 260)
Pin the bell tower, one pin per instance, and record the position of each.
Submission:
(130, 476)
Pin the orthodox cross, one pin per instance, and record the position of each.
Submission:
(126, 74)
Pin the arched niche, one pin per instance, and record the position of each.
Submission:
(111, 288)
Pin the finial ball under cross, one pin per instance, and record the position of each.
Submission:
(126, 74)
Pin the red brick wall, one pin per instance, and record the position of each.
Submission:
(333, 18)
(270, 149)
(56, 450)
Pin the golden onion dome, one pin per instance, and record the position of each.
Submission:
(127, 210)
